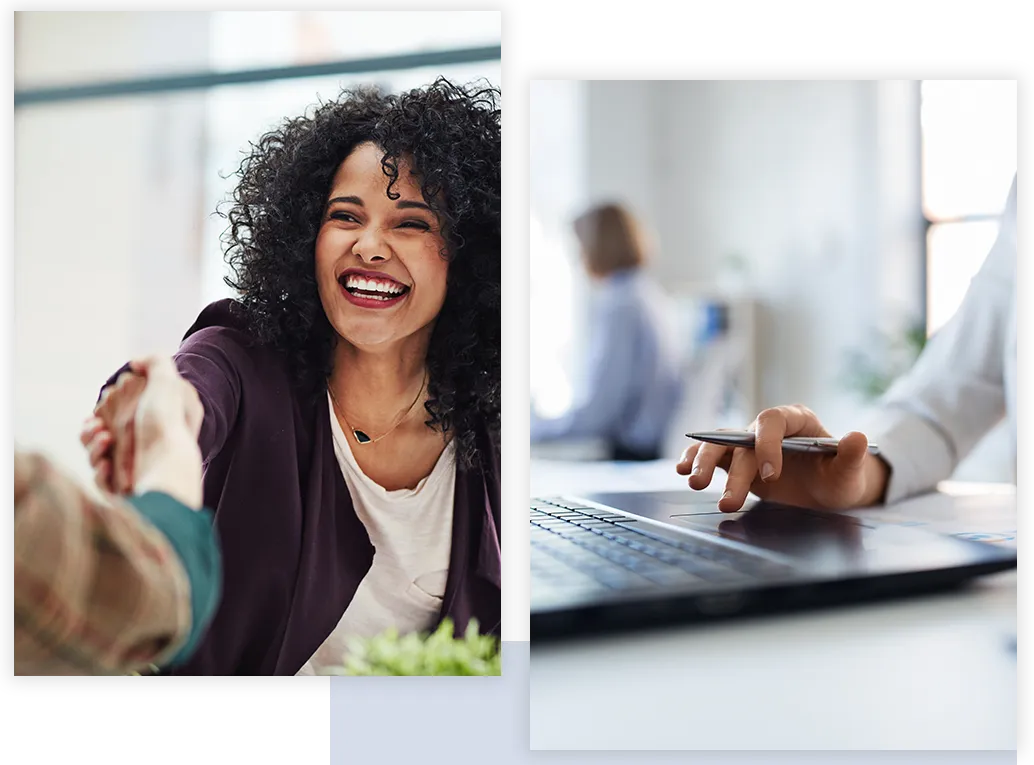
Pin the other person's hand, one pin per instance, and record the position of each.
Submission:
(168, 419)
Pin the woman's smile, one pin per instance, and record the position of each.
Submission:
(370, 289)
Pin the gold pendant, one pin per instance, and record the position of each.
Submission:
(361, 437)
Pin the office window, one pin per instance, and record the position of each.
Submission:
(969, 157)
(557, 283)
(290, 38)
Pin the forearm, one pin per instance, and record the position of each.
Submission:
(192, 535)
(98, 589)
(212, 373)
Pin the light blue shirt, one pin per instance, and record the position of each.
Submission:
(633, 383)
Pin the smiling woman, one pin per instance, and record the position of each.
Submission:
(381, 254)
(364, 243)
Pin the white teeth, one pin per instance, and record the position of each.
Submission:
(371, 285)
(358, 282)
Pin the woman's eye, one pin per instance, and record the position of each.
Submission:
(343, 216)
(415, 224)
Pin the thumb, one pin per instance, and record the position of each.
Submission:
(162, 366)
(851, 451)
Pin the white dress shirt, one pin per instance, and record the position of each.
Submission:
(963, 383)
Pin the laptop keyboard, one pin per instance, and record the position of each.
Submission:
(575, 549)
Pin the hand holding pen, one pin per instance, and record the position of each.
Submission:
(811, 469)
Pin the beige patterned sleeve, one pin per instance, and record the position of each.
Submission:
(97, 588)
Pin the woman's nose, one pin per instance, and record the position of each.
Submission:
(371, 247)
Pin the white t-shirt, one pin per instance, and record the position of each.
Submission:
(411, 532)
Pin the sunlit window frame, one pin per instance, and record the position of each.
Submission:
(930, 222)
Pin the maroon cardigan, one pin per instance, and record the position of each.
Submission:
(294, 550)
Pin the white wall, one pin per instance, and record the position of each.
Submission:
(107, 215)
(815, 185)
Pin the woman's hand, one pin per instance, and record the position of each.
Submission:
(851, 478)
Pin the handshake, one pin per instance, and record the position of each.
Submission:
(143, 434)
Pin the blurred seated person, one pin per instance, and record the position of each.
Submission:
(633, 375)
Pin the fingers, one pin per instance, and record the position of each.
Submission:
(98, 440)
(686, 461)
(91, 427)
(122, 414)
(124, 449)
(142, 365)
(98, 447)
(121, 382)
(102, 400)
(742, 471)
(102, 476)
(112, 395)
(708, 457)
(775, 424)
(770, 429)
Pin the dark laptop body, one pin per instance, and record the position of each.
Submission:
(603, 562)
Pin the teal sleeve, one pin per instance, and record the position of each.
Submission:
(193, 537)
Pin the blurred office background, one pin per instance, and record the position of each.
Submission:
(117, 248)
(812, 234)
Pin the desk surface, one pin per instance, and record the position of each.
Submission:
(935, 672)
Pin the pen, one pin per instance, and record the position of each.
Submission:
(745, 440)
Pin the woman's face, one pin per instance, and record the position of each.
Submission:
(381, 275)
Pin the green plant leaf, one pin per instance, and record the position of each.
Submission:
(437, 653)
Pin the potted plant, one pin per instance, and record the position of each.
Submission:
(871, 371)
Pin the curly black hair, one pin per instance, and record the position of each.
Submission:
(450, 135)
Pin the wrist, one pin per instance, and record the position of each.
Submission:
(877, 475)
(178, 484)
(173, 468)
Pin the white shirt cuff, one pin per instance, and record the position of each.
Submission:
(915, 451)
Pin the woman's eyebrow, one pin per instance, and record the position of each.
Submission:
(346, 200)
(404, 204)
(401, 204)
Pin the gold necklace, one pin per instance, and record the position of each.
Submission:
(360, 436)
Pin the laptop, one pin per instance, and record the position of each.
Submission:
(604, 562)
